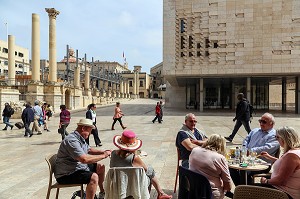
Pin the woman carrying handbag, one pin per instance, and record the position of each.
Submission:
(91, 114)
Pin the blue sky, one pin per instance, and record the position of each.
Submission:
(102, 29)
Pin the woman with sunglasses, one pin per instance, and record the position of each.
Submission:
(286, 169)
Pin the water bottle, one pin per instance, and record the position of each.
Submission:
(237, 155)
(243, 153)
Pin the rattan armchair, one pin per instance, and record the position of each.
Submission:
(257, 192)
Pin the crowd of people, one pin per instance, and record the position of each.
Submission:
(77, 162)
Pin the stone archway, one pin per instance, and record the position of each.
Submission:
(68, 99)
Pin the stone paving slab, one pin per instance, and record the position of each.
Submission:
(24, 171)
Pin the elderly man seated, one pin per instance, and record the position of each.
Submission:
(188, 138)
(77, 162)
(258, 140)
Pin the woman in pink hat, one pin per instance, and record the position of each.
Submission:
(126, 156)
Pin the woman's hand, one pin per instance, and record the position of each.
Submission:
(264, 180)
(265, 154)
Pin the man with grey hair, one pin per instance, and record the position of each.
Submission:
(242, 116)
(78, 163)
(188, 138)
(258, 140)
(38, 113)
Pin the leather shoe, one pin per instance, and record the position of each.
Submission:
(4, 129)
(229, 139)
(31, 135)
(98, 144)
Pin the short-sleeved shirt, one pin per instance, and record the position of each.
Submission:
(71, 148)
(182, 135)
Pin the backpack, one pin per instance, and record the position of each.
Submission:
(251, 109)
(11, 110)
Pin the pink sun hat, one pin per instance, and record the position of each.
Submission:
(127, 141)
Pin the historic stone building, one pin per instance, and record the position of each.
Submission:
(158, 82)
(21, 56)
(74, 82)
(214, 49)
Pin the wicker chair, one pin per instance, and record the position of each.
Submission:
(51, 164)
(256, 192)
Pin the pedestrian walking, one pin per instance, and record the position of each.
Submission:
(118, 116)
(49, 112)
(91, 114)
(157, 113)
(38, 114)
(161, 110)
(242, 116)
(44, 109)
(64, 121)
(7, 113)
(27, 117)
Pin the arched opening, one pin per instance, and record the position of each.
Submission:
(68, 99)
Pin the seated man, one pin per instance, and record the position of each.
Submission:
(77, 162)
(188, 138)
(258, 140)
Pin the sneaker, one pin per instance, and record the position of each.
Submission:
(101, 195)
(229, 139)
(4, 129)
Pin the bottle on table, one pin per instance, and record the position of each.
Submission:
(237, 157)
(243, 153)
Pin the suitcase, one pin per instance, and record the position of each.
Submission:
(19, 125)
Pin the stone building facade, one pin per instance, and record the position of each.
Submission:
(158, 82)
(214, 49)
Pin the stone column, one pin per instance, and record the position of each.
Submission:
(201, 86)
(248, 86)
(121, 88)
(11, 60)
(137, 84)
(87, 78)
(134, 83)
(297, 95)
(283, 101)
(128, 90)
(35, 48)
(77, 73)
(52, 13)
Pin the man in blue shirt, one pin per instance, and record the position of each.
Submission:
(78, 163)
(258, 140)
(188, 138)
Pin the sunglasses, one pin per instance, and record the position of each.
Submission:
(193, 121)
(262, 121)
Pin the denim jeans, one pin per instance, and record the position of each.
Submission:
(6, 121)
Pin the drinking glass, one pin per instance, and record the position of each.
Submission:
(253, 155)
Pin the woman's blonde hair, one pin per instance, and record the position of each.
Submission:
(216, 143)
(290, 138)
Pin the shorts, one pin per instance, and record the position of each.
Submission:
(78, 177)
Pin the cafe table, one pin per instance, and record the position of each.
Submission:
(259, 165)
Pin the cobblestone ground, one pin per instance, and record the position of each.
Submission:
(24, 171)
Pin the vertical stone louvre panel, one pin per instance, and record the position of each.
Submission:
(235, 33)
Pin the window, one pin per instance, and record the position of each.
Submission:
(206, 43)
(6, 63)
(20, 66)
(191, 42)
(182, 42)
(16, 65)
(182, 26)
(198, 53)
(190, 54)
(5, 50)
(216, 44)
(198, 45)
(21, 55)
(142, 83)
(16, 53)
(130, 84)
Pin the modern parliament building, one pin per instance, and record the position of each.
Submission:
(214, 49)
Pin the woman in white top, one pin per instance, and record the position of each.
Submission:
(91, 114)
(286, 169)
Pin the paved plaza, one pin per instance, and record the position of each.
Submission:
(24, 171)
